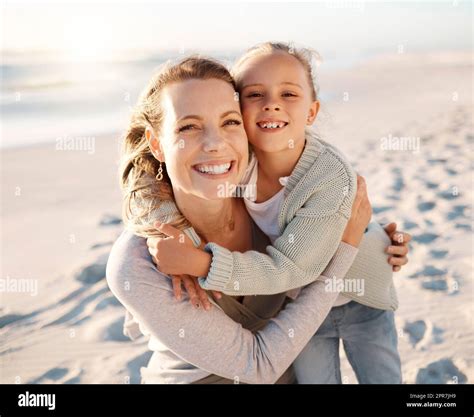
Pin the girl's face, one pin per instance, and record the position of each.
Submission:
(276, 101)
(202, 139)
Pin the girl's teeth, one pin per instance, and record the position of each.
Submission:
(272, 125)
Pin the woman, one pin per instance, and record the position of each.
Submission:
(239, 341)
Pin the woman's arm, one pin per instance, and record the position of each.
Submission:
(211, 340)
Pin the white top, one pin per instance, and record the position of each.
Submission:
(265, 214)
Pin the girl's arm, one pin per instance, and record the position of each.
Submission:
(211, 340)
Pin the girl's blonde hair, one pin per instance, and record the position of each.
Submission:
(143, 193)
(308, 57)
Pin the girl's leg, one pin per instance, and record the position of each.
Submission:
(318, 362)
(370, 342)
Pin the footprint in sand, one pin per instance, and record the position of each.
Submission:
(457, 211)
(102, 244)
(135, 364)
(436, 161)
(416, 330)
(90, 274)
(114, 332)
(51, 376)
(12, 318)
(426, 206)
(59, 376)
(423, 334)
(106, 302)
(443, 371)
(399, 183)
(425, 238)
(449, 194)
(381, 209)
(408, 225)
(435, 284)
(431, 185)
(464, 226)
(84, 303)
(436, 279)
(110, 220)
(429, 270)
(438, 254)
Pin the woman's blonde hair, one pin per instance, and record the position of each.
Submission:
(308, 57)
(143, 193)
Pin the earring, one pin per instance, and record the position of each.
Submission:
(159, 176)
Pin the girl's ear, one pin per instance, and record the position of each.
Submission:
(154, 144)
(313, 112)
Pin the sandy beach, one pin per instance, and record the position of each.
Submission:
(406, 123)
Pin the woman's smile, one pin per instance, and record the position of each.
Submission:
(215, 169)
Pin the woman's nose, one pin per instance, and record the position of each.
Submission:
(213, 142)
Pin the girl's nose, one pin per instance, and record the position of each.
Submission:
(269, 107)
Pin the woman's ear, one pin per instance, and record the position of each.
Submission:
(313, 112)
(154, 144)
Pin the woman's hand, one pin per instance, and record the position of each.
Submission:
(360, 216)
(197, 296)
(399, 247)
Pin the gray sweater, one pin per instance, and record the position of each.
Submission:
(192, 344)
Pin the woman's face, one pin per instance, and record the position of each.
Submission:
(202, 137)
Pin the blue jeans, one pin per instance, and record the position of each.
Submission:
(369, 337)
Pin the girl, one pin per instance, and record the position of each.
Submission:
(305, 189)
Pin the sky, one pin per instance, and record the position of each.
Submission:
(93, 29)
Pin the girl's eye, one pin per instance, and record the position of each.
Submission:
(250, 95)
(231, 122)
(186, 127)
(289, 95)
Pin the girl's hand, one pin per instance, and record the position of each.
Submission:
(176, 254)
(360, 216)
(399, 247)
(167, 261)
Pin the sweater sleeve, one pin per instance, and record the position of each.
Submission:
(211, 340)
(304, 249)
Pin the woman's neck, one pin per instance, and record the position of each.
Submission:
(218, 221)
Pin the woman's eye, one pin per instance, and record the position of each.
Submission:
(231, 122)
(187, 127)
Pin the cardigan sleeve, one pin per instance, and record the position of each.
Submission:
(211, 340)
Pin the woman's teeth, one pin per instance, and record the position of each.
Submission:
(214, 169)
(271, 125)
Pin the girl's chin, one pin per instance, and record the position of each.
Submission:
(267, 145)
(273, 143)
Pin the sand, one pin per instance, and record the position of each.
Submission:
(405, 122)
